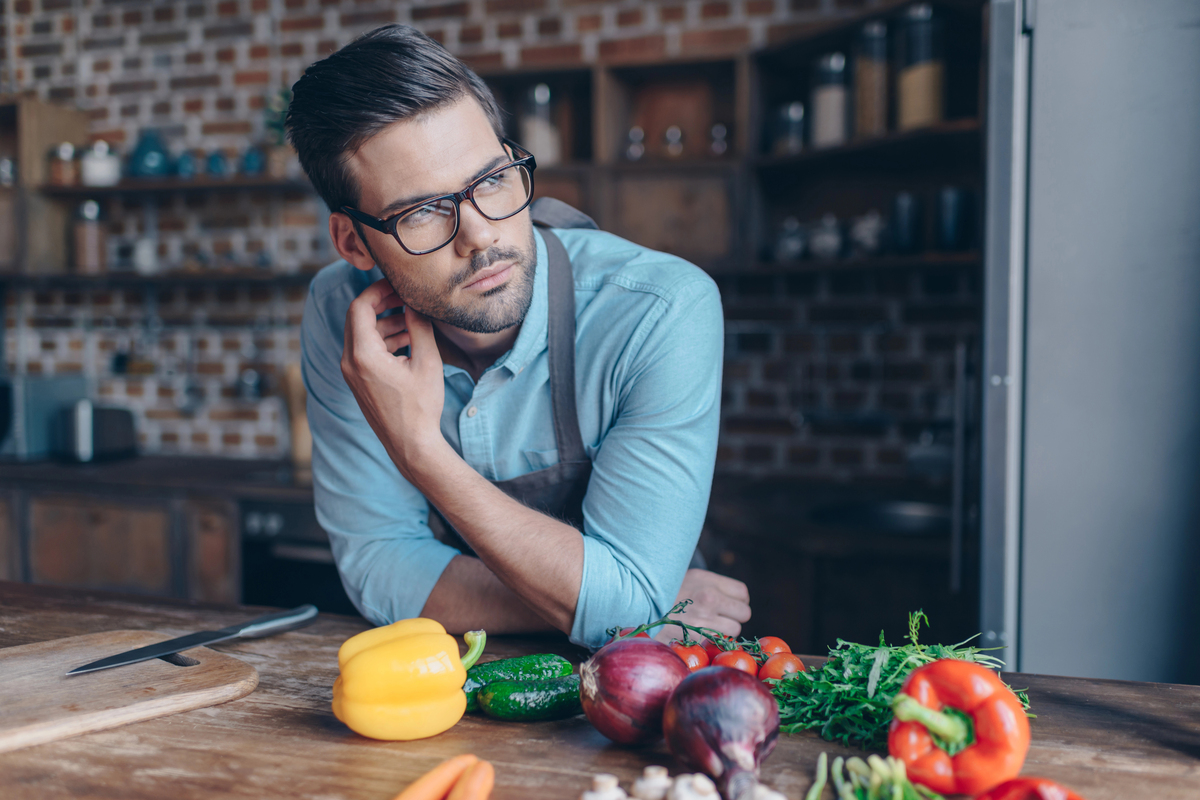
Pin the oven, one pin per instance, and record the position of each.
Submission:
(286, 559)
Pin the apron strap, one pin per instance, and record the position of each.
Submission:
(561, 337)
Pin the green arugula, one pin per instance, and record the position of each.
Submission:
(849, 698)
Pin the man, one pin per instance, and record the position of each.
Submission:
(557, 404)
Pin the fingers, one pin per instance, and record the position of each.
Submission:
(381, 296)
(727, 586)
(420, 329)
(390, 326)
(397, 341)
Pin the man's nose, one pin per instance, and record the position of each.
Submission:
(475, 231)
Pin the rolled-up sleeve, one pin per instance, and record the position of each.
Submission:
(652, 475)
(376, 520)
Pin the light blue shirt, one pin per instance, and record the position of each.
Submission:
(649, 336)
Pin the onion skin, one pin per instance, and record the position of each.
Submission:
(723, 722)
(624, 688)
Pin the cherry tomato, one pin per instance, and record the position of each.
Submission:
(779, 665)
(737, 659)
(770, 645)
(713, 649)
(692, 654)
(627, 631)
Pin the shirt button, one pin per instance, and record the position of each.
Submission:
(472, 411)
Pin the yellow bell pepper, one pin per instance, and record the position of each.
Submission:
(403, 681)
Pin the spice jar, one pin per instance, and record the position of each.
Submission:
(829, 101)
(871, 81)
(89, 243)
(920, 82)
(63, 171)
(789, 130)
(539, 134)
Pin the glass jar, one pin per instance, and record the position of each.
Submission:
(829, 101)
(871, 81)
(920, 84)
(89, 240)
(789, 130)
(539, 134)
(63, 169)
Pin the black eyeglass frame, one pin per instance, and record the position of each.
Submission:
(389, 224)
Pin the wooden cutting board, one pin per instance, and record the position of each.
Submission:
(39, 703)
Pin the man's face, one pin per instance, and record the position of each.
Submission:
(482, 281)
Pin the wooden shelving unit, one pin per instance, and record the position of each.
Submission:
(721, 212)
(196, 185)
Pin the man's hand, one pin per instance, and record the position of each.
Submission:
(718, 602)
(400, 396)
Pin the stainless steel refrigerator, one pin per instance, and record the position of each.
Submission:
(1091, 440)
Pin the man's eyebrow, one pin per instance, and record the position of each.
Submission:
(405, 202)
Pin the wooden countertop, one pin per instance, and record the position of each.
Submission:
(1105, 739)
(157, 476)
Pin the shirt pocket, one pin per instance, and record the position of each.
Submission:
(541, 459)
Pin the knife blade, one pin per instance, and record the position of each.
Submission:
(257, 628)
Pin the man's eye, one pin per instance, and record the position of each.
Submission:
(492, 182)
(423, 215)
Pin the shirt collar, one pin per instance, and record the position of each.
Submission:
(533, 337)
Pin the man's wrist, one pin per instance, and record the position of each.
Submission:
(423, 459)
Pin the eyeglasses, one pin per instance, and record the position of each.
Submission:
(432, 224)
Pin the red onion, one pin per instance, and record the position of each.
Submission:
(723, 722)
(625, 686)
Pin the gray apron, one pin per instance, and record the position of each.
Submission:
(558, 490)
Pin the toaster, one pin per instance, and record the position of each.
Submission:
(85, 432)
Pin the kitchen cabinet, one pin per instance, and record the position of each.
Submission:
(213, 554)
(83, 541)
(160, 527)
(9, 554)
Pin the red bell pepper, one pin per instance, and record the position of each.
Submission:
(1030, 789)
(970, 711)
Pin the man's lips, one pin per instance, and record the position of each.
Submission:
(489, 277)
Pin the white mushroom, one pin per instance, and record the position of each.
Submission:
(604, 787)
(692, 787)
(766, 793)
(653, 785)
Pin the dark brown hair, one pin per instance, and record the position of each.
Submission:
(391, 74)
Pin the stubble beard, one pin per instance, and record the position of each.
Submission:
(497, 309)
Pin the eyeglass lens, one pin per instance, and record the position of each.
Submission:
(497, 196)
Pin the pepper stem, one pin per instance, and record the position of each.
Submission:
(950, 728)
(475, 641)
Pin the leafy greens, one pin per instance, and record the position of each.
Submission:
(849, 698)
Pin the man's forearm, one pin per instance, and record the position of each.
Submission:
(538, 558)
(468, 596)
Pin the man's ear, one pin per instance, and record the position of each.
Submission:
(347, 242)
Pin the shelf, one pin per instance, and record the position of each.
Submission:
(820, 33)
(886, 262)
(937, 140)
(135, 186)
(692, 165)
(176, 277)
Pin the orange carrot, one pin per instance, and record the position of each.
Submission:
(434, 785)
(475, 784)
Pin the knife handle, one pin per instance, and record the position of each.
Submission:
(278, 622)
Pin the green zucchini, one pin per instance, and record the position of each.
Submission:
(531, 701)
(524, 668)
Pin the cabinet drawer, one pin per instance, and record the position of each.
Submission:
(90, 543)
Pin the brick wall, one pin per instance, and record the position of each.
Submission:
(826, 374)
(838, 373)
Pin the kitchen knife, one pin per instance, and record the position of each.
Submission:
(266, 625)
